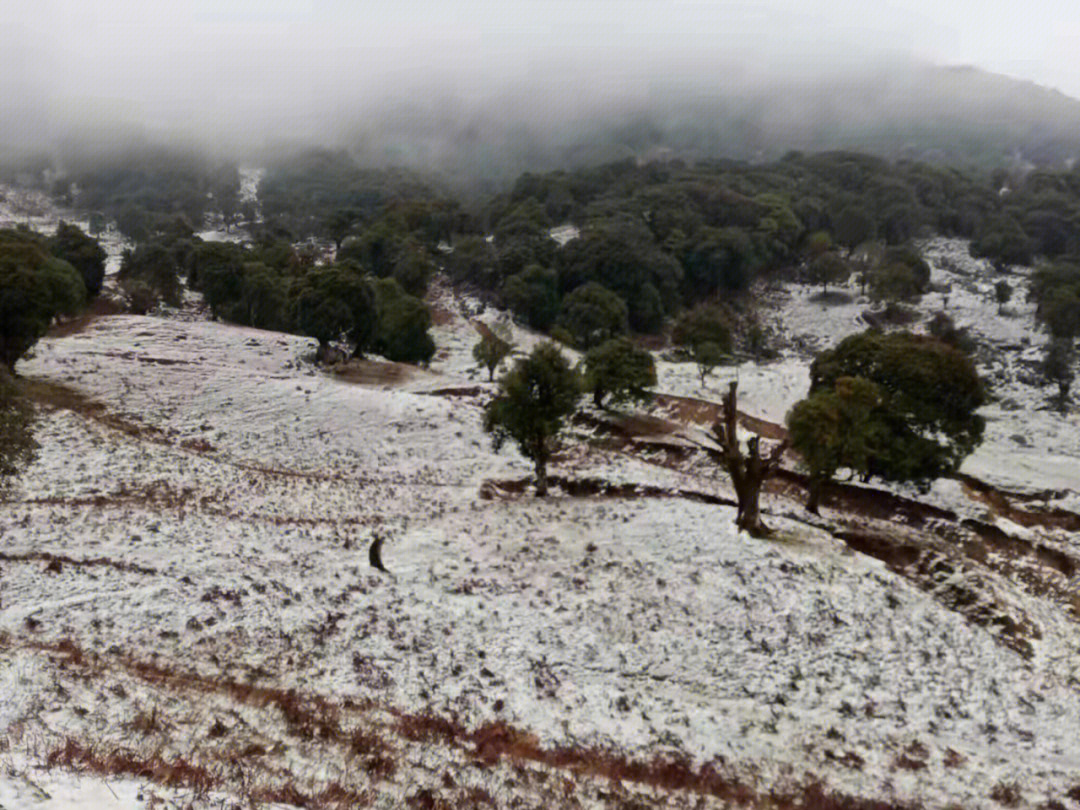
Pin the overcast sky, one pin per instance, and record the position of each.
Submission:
(182, 59)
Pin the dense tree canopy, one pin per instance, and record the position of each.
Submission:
(535, 399)
(926, 421)
(143, 189)
(35, 287)
(324, 193)
(620, 370)
(666, 236)
(81, 252)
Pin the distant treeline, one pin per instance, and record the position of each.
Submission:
(145, 190)
(655, 238)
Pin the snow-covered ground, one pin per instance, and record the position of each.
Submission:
(210, 508)
(243, 510)
(34, 210)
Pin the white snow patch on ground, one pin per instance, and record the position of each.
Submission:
(636, 624)
(564, 233)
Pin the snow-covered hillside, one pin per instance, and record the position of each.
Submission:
(185, 579)
(188, 616)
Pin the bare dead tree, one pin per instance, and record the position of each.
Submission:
(748, 470)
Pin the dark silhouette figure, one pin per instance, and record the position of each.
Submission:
(375, 554)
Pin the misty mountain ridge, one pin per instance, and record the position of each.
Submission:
(479, 142)
(959, 116)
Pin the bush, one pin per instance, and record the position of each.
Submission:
(944, 329)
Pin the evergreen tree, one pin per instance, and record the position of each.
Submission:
(491, 350)
(707, 356)
(402, 324)
(334, 301)
(930, 391)
(34, 288)
(835, 428)
(592, 314)
(619, 369)
(82, 253)
(535, 399)
(1059, 367)
(828, 268)
(1002, 293)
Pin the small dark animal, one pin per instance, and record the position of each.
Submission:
(375, 554)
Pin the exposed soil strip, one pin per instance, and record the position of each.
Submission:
(57, 561)
(999, 503)
(951, 582)
(929, 567)
(596, 487)
(999, 500)
(62, 397)
(704, 412)
(314, 717)
(100, 307)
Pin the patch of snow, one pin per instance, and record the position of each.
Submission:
(564, 233)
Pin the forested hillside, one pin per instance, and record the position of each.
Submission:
(650, 484)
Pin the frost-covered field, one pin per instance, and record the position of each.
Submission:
(184, 578)
(227, 503)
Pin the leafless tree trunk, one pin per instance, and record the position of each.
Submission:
(748, 471)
